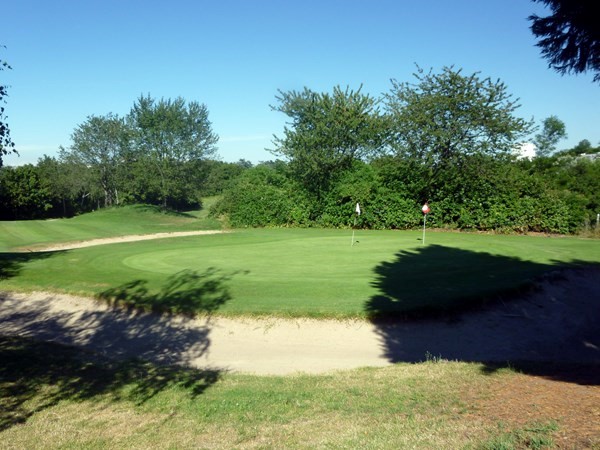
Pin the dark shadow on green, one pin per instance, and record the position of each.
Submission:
(441, 303)
(50, 373)
(187, 292)
(437, 280)
(11, 263)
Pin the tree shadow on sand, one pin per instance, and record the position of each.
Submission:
(106, 348)
(442, 303)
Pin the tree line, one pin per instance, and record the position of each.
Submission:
(446, 138)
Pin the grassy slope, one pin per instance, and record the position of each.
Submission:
(57, 397)
(302, 272)
(138, 219)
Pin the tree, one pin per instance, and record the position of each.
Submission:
(570, 36)
(24, 194)
(6, 144)
(102, 144)
(553, 130)
(170, 137)
(327, 133)
(444, 118)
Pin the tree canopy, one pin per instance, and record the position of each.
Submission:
(102, 143)
(570, 36)
(169, 136)
(553, 131)
(446, 117)
(6, 144)
(327, 132)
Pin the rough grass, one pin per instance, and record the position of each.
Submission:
(57, 397)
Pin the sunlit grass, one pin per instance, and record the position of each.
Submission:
(304, 272)
(56, 397)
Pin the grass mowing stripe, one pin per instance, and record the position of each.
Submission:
(119, 221)
(308, 272)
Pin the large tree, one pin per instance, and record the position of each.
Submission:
(326, 133)
(553, 131)
(170, 137)
(445, 118)
(102, 144)
(6, 144)
(570, 36)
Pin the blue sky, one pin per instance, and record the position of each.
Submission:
(72, 59)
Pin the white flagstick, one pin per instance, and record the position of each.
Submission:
(357, 209)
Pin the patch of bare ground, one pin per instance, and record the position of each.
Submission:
(568, 395)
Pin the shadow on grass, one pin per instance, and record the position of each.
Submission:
(11, 263)
(35, 376)
(111, 337)
(187, 292)
(440, 303)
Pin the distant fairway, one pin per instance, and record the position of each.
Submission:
(300, 272)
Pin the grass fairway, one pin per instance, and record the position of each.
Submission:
(110, 222)
(300, 272)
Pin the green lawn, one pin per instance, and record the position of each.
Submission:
(138, 219)
(300, 272)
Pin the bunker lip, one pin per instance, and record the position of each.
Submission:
(555, 323)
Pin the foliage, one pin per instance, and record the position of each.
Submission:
(6, 144)
(381, 207)
(446, 117)
(553, 131)
(102, 145)
(327, 133)
(23, 194)
(218, 175)
(171, 137)
(263, 196)
(569, 37)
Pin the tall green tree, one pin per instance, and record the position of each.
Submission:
(444, 118)
(326, 133)
(171, 136)
(6, 144)
(570, 36)
(24, 194)
(102, 143)
(553, 131)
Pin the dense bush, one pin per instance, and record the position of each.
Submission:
(263, 196)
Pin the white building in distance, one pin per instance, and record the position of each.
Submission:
(526, 150)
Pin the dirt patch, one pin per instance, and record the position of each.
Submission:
(566, 395)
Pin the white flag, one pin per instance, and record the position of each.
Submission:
(357, 209)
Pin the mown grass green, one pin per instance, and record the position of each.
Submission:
(305, 272)
(107, 222)
(58, 397)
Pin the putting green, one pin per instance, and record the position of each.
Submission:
(305, 272)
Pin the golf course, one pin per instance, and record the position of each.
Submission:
(299, 310)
